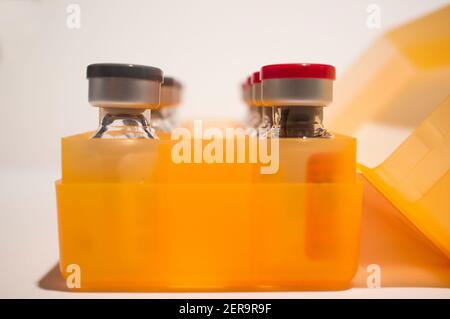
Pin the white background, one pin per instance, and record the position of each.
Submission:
(209, 45)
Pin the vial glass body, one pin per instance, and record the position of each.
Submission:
(162, 120)
(124, 123)
(253, 120)
(298, 122)
(266, 122)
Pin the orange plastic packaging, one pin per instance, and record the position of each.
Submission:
(398, 96)
(132, 219)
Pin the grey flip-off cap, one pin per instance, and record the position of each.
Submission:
(118, 70)
(171, 81)
(115, 85)
(170, 92)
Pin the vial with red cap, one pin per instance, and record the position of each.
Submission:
(246, 91)
(254, 112)
(298, 92)
(266, 112)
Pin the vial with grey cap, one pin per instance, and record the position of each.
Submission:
(125, 95)
(164, 117)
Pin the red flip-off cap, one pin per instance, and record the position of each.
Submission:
(247, 82)
(298, 70)
(256, 77)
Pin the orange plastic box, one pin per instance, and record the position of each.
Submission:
(131, 219)
(402, 81)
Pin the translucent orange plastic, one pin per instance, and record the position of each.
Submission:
(401, 85)
(398, 80)
(416, 177)
(132, 219)
(399, 88)
(405, 256)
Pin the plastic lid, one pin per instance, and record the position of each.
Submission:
(298, 70)
(130, 71)
(256, 77)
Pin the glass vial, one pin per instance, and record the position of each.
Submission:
(125, 95)
(301, 122)
(265, 112)
(164, 117)
(253, 113)
(298, 93)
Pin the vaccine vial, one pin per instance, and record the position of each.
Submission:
(164, 117)
(298, 92)
(253, 113)
(125, 95)
(265, 112)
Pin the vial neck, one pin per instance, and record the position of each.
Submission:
(255, 115)
(267, 114)
(160, 121)
(299, 121)
(124, 123)
(266, 120)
